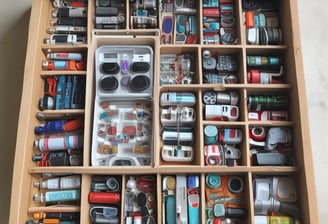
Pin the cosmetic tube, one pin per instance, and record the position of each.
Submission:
(57, 196)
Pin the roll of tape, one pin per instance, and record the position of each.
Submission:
(112, 184)
(257, 133)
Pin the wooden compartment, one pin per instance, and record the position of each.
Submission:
(26, 172)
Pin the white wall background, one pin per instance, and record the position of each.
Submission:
(14, 19)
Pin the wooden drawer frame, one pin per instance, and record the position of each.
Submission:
(25, 171)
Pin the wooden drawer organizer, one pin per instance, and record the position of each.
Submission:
(26, 171)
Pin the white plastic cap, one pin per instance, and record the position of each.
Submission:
(36, 143)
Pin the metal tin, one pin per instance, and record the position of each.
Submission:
(213, 180)
(211, 134)
(235, 184)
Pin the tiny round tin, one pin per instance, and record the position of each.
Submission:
(211, 134)
(213, 180)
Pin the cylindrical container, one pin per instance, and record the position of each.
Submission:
(228, 98)
(111, 184)
(267, 102)
(235, 184)
(59, 143)
(67, 182)
(66, 29)
(58, 196)
(263, 60)
(249, 18)
(64, 39)
(178, 98)
(213, 180)
(211, 134)
(65, 56)
(99, 186)
(169, 183)
(275, 220)
(255, 76)
(58, 126)
(104, 197)
(257, 133)
(262, 207)
(63, 65)
(63, 216)
(146, 4)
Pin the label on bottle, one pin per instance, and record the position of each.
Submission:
(53, 183)
(66, 195)
(280, 220)
(69, 182)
